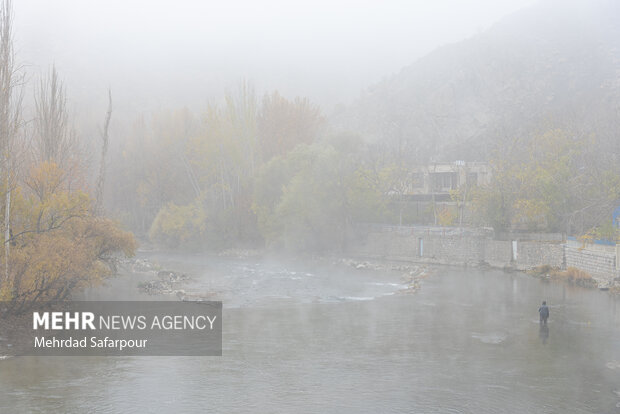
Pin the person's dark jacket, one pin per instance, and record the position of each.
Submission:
(544, 311)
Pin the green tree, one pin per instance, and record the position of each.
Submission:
(309, 200)
(550, 183)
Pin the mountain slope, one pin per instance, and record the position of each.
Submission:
(556, 64)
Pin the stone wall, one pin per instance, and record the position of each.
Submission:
(475, 249)
(497, 253)
(539, 237)
(532, 254)
(432, 248)
(601, 265)
(450, 249)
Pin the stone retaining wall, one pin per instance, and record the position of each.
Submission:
(475, 250)
(600, 265)
(532, 254)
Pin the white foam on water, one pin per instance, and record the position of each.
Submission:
(614, 365)
(499, 387)
(579, 323)
(491, 338)
(357, 297)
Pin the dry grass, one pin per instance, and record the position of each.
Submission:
(575, 276)
(542, 270)
(571, 275)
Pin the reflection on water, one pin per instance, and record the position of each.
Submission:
(544, 333)
(334, 339)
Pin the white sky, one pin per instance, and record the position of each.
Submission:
(156, 53)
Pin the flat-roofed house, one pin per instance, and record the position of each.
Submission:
(428, 193)
(438, 179)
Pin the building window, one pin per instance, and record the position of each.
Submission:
(472, 179)
(444, 181)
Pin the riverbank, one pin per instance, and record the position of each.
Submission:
(163, 281)
(595, 266)
(174, 282)
(394, 252)
(411, 275)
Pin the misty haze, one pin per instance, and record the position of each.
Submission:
(378, 206)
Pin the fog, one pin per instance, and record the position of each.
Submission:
(216, 105)
(379, 195)
(317, 337)
(156, 54)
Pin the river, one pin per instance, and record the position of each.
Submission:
(323, 338)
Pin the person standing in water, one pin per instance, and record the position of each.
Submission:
(544, 312)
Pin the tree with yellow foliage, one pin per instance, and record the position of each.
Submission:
(58, 243)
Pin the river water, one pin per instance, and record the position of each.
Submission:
(323, 338)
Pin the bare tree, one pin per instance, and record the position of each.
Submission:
(10, 115)
(242, 108)
(54, 140)
(104, 150)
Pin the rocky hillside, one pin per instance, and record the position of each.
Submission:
(552, 65)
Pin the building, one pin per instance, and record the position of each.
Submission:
(436, 181)
(428, 193)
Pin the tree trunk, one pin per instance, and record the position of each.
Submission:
(104, 150)
(7, 228)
